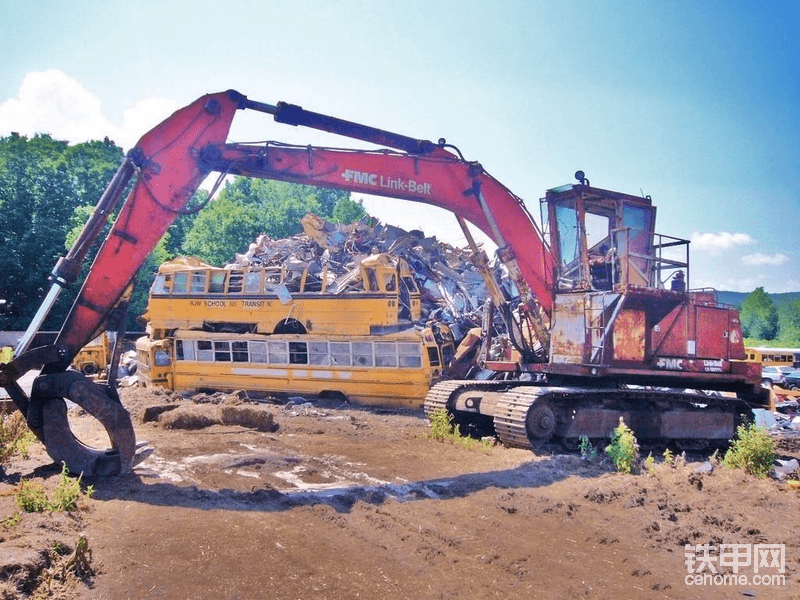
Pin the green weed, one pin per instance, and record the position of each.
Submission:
(623, 449)
(67, 492)
(31, 496)
(15, 437)
(444, 429)
(650, 464)
(753, 450)
(586, 448)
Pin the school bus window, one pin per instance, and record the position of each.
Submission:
(433, 357)
(180, 284)
(222, 351)
(272, 279)
(239, 352)
(235, 282)
(217, 283)
(160, 284)
(409, 355)
(252, 282)
(198, 283)
(340, 354)
(278, 354)
(318, 353)
(298, 353)
(372, 280)
(362, 354)
(385, 354)
(390, 282)
(258, 352)
(184, 350)
(205, 351)
(411, 284)
(161, 358)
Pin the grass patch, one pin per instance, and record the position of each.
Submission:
(32, 497)
(444, 429)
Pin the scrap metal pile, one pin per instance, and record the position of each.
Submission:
(452, 289)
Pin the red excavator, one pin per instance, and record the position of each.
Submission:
(599, 323)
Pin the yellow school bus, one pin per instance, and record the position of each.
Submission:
(395, 369)
(779, 357)
(377, 295)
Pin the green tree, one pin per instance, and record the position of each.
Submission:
(42, 181)
(759, 317)
(789, 324)
(180, 227)
(248, 207)
(347, 211)
(225, 227)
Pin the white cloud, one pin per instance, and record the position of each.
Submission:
(720, 241)
(52, 102)
(758, 259)
(55, 103)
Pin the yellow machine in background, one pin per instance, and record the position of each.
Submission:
(94, 357)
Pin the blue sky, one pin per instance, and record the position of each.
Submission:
(693, 103)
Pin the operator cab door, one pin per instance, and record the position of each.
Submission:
(634, 244)
(600, 238)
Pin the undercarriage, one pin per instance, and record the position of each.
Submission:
(530, 415)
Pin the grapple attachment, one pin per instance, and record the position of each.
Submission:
(48, 399)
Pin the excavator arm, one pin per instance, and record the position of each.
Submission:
(170, 162)
(165, 163)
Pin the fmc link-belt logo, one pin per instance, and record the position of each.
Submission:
(768, 563)
(387, 183)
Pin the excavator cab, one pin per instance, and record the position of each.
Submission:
(606, 241)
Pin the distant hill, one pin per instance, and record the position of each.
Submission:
(736, 298)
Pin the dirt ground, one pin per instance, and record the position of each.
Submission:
(340, 502)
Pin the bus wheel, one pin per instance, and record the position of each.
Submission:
(290, 326)
(334, 396)
(89, 369)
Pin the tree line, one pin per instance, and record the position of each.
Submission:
(48, 189)
(764, 322)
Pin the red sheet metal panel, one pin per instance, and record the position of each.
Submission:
(630, 335)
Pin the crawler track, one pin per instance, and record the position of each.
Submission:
(528, 416)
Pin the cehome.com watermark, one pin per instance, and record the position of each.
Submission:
(760, 564)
